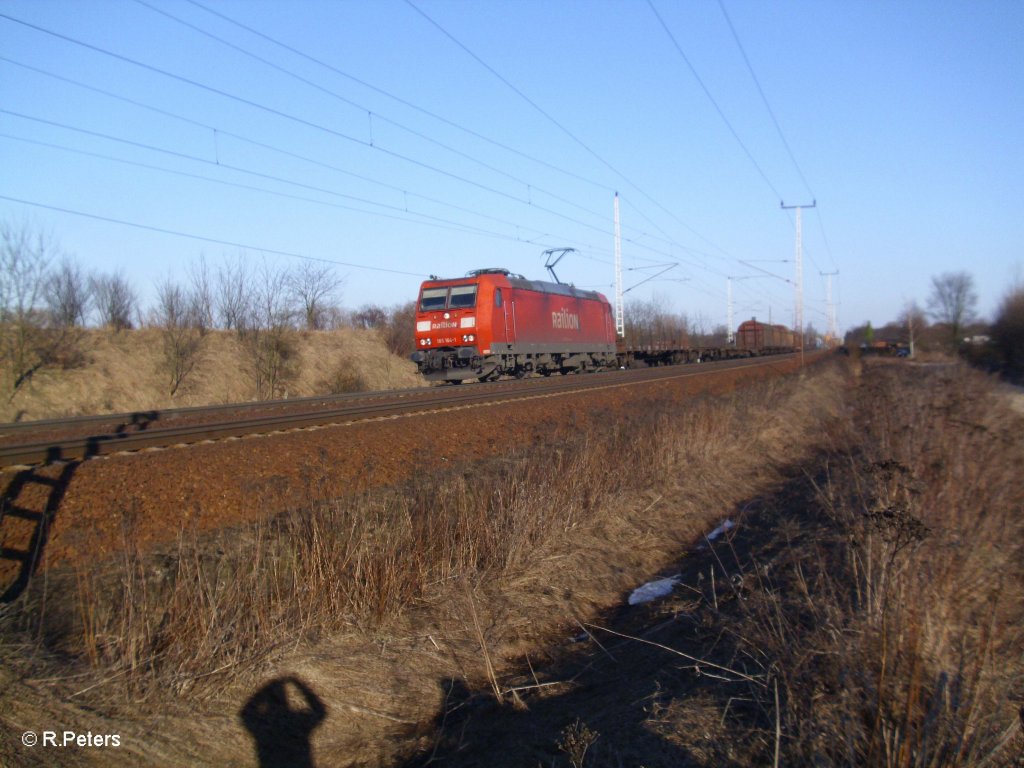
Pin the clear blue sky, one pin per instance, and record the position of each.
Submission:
(435, 136)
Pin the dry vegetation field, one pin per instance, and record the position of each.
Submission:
(126, 371)
(864, 609)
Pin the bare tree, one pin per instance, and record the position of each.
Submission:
(953, 301)
(234, 294)
(31, 335)
(1008, 330)
(200, 296)
(369, 317)
(182, 338)
(23, 262)
(312, 288)
(914, 320)
(68, 295)
(651, 323)
(116, 300)
(268, 334)
(400, 331)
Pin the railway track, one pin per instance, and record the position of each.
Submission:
(38, 443)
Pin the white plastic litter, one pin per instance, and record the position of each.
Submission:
(652, 590)
(720, 529)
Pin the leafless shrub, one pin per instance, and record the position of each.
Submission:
(400, 330)
(234, 294)
(890, 617)
(313, 289)
(180, 330)
(267, 333)
(31, 335)
(345, 378)
(116, 300)
(1008, 331)
(651, 323)
(68, 296)
(369, 317)
(201, 296)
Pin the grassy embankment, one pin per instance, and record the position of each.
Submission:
(874, 618)
(126, 371)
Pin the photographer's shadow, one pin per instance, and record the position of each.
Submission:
(281, 717)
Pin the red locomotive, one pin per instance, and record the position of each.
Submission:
(493, 323)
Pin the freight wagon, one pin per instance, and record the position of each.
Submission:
(757, 338)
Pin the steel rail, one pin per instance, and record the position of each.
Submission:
(436, 399)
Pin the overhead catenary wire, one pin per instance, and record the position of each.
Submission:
(279, 113)
(399, 99)
(550, 118)
(711, 98)
(355, 105)
(643, 241)
(438, 221)
(775, 122)
(300, 120)
(205, 239)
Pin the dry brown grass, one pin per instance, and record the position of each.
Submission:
(125, 372)
(873, 616)
(888, 607)
(214, 605)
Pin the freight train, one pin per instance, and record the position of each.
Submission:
(494, 323)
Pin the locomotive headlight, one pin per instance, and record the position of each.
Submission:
(469, 337)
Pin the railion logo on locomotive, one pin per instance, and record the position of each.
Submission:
(565, 319)
(443, 324)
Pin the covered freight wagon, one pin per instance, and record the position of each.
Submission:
(762, 339)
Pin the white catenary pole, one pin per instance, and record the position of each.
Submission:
(620, 314)
(728, 312)
(798, 315)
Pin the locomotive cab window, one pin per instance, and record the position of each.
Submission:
(433, 299)
(462, 297)
(497, 297)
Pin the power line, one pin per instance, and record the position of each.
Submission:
(550, 118)
(300, 120)
(294, 118)
(214, 240)
(764, 98)
(707, 92)
(399, 99)
(247, 140)
(778, 127)
(217, 131)
(420, 218)
(360, 107)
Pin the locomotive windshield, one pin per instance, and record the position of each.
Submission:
(456, 297)
(462, 297)
(433, 299)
